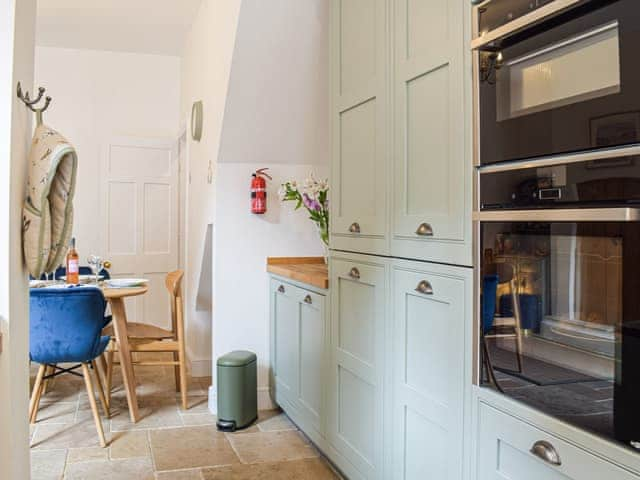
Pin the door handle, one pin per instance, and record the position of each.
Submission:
(624, 214)
(546, 452)
(308, 299)
(354, 273)
(281, 288)
(425, 288)
(354, 227)
(424, 230)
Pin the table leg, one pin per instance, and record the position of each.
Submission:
(120, 328)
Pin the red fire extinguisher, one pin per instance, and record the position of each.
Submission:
(259, 191)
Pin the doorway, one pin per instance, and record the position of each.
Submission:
(139, 213)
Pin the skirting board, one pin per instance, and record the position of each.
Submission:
(264, 400)
(200, 368)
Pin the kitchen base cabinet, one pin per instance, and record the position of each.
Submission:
(298, 352)
(509, 448)
(430, 309)
(357, 359)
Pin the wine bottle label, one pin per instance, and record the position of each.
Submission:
(73, 266)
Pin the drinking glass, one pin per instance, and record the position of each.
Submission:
(96, 263)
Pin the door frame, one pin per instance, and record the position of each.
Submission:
(17, 31)
(184, 181)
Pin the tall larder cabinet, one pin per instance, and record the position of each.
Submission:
(400, 268)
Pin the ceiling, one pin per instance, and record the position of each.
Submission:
(142, 26)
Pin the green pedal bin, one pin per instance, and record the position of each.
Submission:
(237, 390)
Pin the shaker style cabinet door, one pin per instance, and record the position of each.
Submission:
(285, 345)
(299, 332)
(355, 416)
(312, 361)
(359, 71)
(513, 449)
(432, 134)
(429, 370)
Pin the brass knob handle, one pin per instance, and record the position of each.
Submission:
(354, 228)
(546, 452)
(354, 273)
(281, 288)
(107, 264)
(425, 288)
(308, 299)
(424, 230)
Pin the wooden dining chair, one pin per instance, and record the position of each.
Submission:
(145, 338)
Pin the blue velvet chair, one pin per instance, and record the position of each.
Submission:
(509, 327)
(65, 325)
(84, 270)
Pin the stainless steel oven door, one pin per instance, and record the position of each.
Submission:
(558, 314)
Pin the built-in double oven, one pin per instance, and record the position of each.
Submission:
(557, 208)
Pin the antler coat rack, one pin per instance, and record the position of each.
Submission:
(31, 103)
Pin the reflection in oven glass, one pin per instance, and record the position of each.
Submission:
(552, 316)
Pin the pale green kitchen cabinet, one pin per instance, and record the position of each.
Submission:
(432, 166)
(355, 421)
(507, 446)
(299, 330)
(359, 125)
(432, 374)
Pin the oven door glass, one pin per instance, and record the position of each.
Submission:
(570, 84)
(560, 320)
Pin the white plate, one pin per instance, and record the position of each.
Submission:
(84, 278)
(126, 282)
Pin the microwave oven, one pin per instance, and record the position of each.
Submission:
(555, 77)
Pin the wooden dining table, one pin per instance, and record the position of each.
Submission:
(115, 297)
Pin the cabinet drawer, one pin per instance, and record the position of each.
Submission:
(504, 452)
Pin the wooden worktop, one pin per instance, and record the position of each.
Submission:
(310, 270)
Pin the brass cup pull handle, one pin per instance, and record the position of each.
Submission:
(425, 288)
(354, 273)
(354, 228)
(281, 288)
(308, 299)
(424, 230)
(546, 452)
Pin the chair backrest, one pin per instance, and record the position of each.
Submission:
(506, 272)
(173, 282)
(65, 324)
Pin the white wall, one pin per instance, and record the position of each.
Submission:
(276, 116)
(98, 95)
(243, 241)
(17, 20)
(206, 64)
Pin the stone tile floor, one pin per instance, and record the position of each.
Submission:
(168, 443)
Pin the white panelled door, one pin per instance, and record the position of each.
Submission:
(140, 218)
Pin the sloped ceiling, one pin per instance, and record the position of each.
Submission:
(141, 26)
